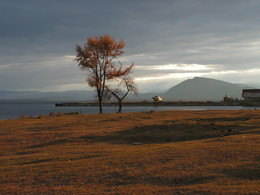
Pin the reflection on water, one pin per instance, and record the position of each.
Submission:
(15, 110)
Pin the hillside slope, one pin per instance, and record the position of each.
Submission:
(203, 89)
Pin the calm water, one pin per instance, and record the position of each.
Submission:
(15, 110)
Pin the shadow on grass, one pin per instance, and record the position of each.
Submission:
(38, 161)
(157, 134)
(249, 172)
(26, 152)
(165, 133)
(118, 179)
(51, 143)
(122, 179)
(227, 119)
(181, 181)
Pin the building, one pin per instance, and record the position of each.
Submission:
(251, 94)
(157, 98)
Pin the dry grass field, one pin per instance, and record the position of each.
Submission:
(162, 152)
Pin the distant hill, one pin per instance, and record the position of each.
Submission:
(203, 89)
(196, 89)
(48, 96)
(245, 86)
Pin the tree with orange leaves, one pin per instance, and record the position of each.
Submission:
(99, 57)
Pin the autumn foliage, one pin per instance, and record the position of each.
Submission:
(99, 57)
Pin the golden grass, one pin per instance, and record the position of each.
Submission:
(164, 152)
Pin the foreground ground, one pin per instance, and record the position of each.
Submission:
(163, 152)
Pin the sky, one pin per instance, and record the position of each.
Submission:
(168, 40)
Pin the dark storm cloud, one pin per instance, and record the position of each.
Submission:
(224, 33)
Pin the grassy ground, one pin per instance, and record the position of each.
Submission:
(162, 152)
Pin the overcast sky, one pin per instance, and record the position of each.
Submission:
(168, 40)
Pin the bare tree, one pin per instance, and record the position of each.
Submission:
(99, 57)
(124, 86)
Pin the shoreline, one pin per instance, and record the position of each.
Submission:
(169, 103)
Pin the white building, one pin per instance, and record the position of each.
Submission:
(157, 98)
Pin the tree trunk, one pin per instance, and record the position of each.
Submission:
(100, 102)
(120, 106)
(100, 106)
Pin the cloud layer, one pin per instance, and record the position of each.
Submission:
(169, 40)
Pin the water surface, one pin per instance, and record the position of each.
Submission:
(11, 110)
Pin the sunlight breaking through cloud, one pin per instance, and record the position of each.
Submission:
(186, 67)
(169, 76)
(197, 74)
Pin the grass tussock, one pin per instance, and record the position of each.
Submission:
(163, 152)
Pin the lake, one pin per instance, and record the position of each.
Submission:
(11, 110)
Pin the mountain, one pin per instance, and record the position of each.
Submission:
(196, 89)
(246, 86)
(203, 89)
(64, 96)
(48, 96)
